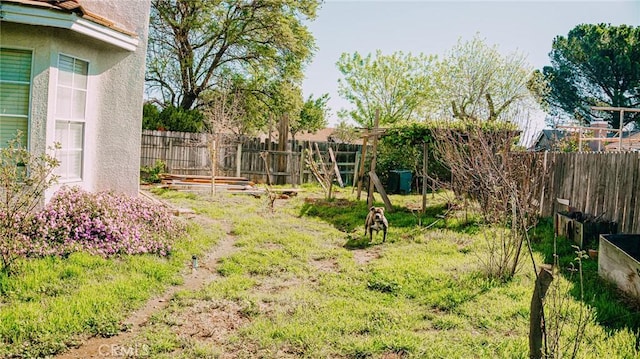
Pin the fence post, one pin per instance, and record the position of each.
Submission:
(212, 149)
(425, 167)
(356, 169)
(301, 174)
(169, 159)
(290, 166)
(544, 181)
(238, 159)
(361, 165)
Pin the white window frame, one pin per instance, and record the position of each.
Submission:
(27, 117)
(70, 120)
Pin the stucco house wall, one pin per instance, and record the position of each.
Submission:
(115, 85)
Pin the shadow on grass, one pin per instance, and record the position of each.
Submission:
(614, 310)
(358, 242)
(349, 216)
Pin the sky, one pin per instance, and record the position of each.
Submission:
(434, 27)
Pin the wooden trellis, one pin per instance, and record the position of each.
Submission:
(374, 181)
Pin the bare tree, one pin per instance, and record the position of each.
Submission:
(223, 115)
(507, 186)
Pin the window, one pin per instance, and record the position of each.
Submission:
(15, 84)
(71, 100)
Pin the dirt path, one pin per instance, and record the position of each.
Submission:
(98, 347)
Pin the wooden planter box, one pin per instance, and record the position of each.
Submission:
(563, 224)
(581, 233)
(619, 261)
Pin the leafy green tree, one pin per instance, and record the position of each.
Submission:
(150, 115)
(595, 65)
(313, 116)
(195, 44)
(396, 85)
(401, 148)
(171, 118)
(284, 99)
(475, 82)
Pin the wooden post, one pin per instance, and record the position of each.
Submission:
(289, 165)
(536, 315)
(356, 169)
(425, 163)
(301, 174)
(267, 164)
(330, 186)
(268, 141)
(580, 140)
(621, 126)
(212, 151)
(376, 181)
(265, 158)
(361, 166)
(373, 158)
(169, 157)
(319, 154)
(283, 139)
(238, 159)
(335, 167)
(544, 181)
(313, 168)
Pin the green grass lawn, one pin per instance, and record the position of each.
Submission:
(306, 283)
(49, 304)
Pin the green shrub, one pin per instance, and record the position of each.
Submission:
(151, 174)
(171, 118)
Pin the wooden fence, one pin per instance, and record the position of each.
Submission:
(183, 153)
(188, 153)
(605, 185)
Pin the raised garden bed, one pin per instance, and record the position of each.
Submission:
(582, 228)
(619, 261)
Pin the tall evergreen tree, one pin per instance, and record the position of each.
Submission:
(595, 65)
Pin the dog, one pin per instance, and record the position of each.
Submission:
(376, 221)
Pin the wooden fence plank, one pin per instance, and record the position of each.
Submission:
(588, 191)
(630, 173)
(617, 183)
(635, 202)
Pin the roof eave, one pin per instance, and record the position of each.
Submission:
(46, 17)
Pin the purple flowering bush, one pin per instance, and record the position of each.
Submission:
(103, 223)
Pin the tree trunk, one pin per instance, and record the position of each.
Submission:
(188, 100)
(283, 138)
